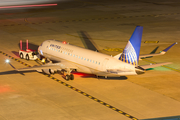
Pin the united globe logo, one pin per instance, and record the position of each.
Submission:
(129, 54)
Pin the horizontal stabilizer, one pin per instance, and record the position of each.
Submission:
(165, 50)
(150, 55)
(154, 65)
(156, 54)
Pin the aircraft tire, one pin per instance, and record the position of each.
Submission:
(67, 77)
(71, 77)
(27, 57)
(21, 55)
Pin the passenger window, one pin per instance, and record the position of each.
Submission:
(99, 63)
(76, 56)
(87, 59)
(68, 53)
(81, 57)
(96, 62)
(49, 48)
(93, 61)
(58, 50)
(84, 58)
(73, 55)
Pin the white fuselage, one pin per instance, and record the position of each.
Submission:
(86, 61)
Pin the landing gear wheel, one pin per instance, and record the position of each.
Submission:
(27, 57)
(67, 77)
(71, 77)
(21, 55)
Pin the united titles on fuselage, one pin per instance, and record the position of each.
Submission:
(56, 46)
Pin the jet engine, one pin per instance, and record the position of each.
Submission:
(49, 71)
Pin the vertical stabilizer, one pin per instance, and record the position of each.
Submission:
(131, 52)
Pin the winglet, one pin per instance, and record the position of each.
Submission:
(165, 50)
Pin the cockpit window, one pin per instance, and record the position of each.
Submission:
(41, 44)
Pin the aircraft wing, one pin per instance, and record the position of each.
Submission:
(153, 65)
(156, 54)
(53, 66)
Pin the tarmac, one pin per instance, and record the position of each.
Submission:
(108, 25)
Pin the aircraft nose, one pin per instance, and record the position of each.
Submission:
(39, 48)
(40, 51)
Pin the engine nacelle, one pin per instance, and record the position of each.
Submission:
(48, 71)
(51, 71)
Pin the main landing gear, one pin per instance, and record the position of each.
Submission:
(68, 74)
(69, 77)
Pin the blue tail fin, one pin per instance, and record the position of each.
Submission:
(131, 52)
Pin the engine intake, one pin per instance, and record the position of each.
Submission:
(48, 71)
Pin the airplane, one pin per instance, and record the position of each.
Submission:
(69, 57)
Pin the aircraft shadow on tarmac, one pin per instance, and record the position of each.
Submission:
(16, 72)
(15, 53)
(113, 78)
(87, 41)
(84, 75)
